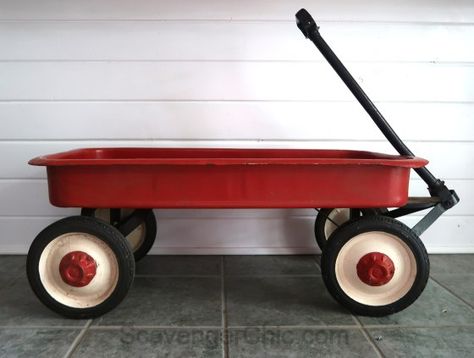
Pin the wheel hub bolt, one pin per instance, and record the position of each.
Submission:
(77, 269)
(375, 269)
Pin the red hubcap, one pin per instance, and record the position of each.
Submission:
(77, 269)
(375, 269)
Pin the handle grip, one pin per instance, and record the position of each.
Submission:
(306, 23)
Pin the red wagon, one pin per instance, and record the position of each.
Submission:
(83, 266)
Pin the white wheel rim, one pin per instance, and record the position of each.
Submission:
(336, 218)
(136, 237)
(101, 286)
(375, 241)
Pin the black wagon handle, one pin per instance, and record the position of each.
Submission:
(309, 28)
(305, 22)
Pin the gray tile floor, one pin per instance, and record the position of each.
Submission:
(240, 306)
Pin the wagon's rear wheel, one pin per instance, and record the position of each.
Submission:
(141, 238)
(80, 267)
(328, 220)
(375, 266)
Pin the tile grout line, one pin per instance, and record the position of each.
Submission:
(78, 339)
(334, 327)
(318, 263)
(452, 292)
(225, 343)
(369, 326)
(41, 327)
(232, 275)
(112, 328)
(276, 276)
(367, 336)
(175, 276)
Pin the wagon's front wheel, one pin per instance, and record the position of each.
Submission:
(80, 267)
(375, 266)
(143, 235)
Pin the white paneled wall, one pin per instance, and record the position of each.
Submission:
(232, 73)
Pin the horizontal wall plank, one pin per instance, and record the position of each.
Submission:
(30, 198)
(231, 81)
(447, 160)
(363, 10)
(238, 236)
(231, 121)
(211, 40)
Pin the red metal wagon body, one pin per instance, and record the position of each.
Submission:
(226, 178)
(373, 264)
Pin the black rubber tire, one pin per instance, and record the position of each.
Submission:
(366, 224)
(323, 215)
(107, 233)
(150, 232)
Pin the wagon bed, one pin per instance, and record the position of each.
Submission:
(226, 178)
